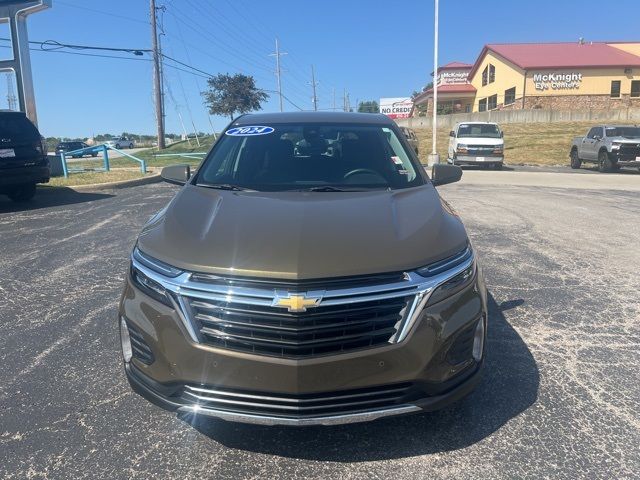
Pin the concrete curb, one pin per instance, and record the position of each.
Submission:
(155, 178)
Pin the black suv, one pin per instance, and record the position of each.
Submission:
(23, 157)
(72, 147)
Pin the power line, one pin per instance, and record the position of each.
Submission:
(204, 32)
(82, 7)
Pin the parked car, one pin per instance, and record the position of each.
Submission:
(307, 273)
(73, 146)
(23, 157)
(609, 146)
(411, 137)
(119, 143)
(476, 143)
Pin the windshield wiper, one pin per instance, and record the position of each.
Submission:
(223, 186)
(326, 188)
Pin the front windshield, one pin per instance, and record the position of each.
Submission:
(627, 132)
(476, 130)
(321, 157)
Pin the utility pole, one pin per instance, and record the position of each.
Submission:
(434, 158)
(278, 54)
(314, 99)
(344, 100)
(157, 81)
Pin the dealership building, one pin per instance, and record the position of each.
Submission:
(562, 76)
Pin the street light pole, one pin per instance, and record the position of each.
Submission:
(434, 157)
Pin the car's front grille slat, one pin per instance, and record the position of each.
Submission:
(299, 406)
(315, 342)
(290, 328)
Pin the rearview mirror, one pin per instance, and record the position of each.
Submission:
(452, 133)
(176, 174)
(441, 174)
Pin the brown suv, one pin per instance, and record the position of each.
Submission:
(307, 273)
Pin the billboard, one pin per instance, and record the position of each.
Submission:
(398, 107)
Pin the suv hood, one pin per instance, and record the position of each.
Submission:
(480, 141)
(303, 235)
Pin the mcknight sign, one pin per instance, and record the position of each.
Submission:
(557, 81)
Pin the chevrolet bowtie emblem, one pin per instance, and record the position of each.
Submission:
(297, 303)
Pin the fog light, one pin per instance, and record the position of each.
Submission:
(478, 341)
(127, 352)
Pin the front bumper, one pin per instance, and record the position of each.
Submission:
(24, 175)
(160, 395)
(625, 160)
(321, 390)
(477, 160)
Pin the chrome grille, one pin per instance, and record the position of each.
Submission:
(298, 406)
(297, 319)
(274, 331)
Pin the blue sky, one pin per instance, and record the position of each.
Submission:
(372, 48)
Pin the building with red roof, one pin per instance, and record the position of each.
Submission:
(578, 75)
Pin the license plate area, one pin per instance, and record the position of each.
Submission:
(7, 153)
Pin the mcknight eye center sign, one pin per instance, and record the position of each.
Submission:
(557, 81)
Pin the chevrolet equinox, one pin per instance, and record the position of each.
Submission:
(306, 273)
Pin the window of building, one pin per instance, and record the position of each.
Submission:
(615, 88)
(510, 96)
(635, 88)
(467, 108)
(488, 75)
(482, 105)
(493, 102)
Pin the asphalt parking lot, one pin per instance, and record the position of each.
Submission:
(559, 399)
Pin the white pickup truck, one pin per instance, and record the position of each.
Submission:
(609, 146)
(476, 143)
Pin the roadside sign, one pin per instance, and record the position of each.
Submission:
(398, 107)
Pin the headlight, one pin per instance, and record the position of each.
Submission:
(149, 286)
(615, 146)
(462, 148)
(498, 149)
(457, 282)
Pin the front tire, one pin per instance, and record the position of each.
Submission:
(23, 193)
(575, 160)
(604, 162)
(497, 166)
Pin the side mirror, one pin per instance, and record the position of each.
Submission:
(596, 138)
(441, 174)
(452, 133)
(501, 134)
(176, 174)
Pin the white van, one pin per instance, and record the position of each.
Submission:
(476, 143)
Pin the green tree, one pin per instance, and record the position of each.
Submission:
(231, 94)
(369, 106)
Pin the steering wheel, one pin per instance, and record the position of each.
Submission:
(360, 171)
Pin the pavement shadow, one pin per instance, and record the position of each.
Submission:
(50, 197)
(509, 387)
